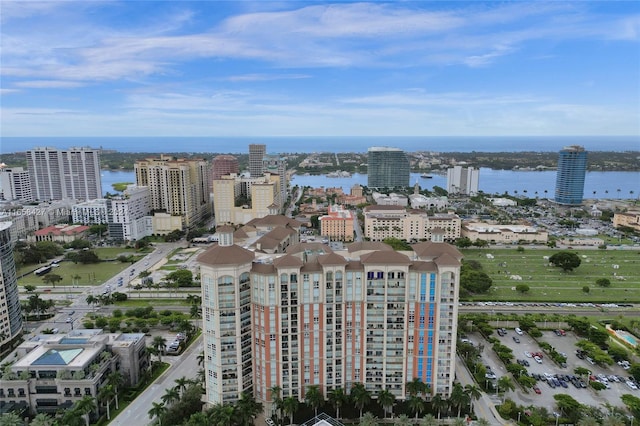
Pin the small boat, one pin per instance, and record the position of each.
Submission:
(426, 176)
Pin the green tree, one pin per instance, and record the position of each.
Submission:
(569, 406)
(171, 396)
(360, 396)
(566, 260)
(474, 393)
(314, 398)
(85, 406)
(160, 344)
(416, 404)
(522, 288)
(402, 420)
(439, 404)
(275, 393)
(337, 398)
(586, 289)
(248, 408)
(368, 419)
(386, 399)
(603, 282)
(52, 279)
(41, 419)
(290, 406)
(106, 395)
(429, 420)
(116, 379)
(157, 411)
(458, 397)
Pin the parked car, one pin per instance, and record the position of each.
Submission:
(537, 390)
(519, 331)
(537, 359)
(515, 339)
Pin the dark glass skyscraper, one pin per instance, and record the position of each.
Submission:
(388, 168)
(572, 166)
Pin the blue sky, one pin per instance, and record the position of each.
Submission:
(301, 68)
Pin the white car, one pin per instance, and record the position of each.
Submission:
(632, 385)
(519, 331)
(527, 354)
(538, 359)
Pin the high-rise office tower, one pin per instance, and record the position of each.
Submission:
(572, 166)
(388, 168)
(463, 180)
(223, 165)
(180, 187)
(256, 154)
(58, 174)
(277, 166)
(10, 314)
(15, 184)
(367, 314)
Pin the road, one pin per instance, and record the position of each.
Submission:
(186, 365)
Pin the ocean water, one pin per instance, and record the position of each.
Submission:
(291, 144)
(605, 184)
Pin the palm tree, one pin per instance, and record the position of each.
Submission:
(248, 408)
(276, 399)
(159, 343)
(337, 398)
(613, 420)
(368, 420)
(314, 398)
(360, 396)
(290, 406)
(415, 387)
(429, 420)
(201, 359)
(11, 419)
(458, 421)
(222, 415)
(588, 421)
(181, 384)
(386, 400)
(157, 411)
(483, 422)
(416, 404)
(506, 384)
(474, 393)
(170, 396)
(438, 403)
(85, 406)
(116, 380)
(92, 300)
(41, 419)
(106, 394)
(403, 420)
(458, 398)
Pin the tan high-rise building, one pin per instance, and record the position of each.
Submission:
(178, 187)
(261, 196)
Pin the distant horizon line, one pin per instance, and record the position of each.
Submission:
(337, 136)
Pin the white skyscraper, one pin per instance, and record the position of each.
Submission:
(59, 174)
(463, 180)
(15, 184)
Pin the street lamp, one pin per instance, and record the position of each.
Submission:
(519, 413)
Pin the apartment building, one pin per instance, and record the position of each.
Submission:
(129, 214)
(93, 212)
(505, 234)
(463, 180)
(337, 224)
(313, 316)
(177, 186)
(258, 198)
(382, 222)
(387, 167)
(10, 309)
(51, 372)
(15, 185)
(629, 219)
(59, 174)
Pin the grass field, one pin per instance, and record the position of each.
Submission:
(90, 274)
(548, 283)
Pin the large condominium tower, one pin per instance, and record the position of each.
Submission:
(572, 166)
(223, 165)
(463, 180)
(178, 187)
(256, 154)
(387, 168)
(15, 184)
(313, 316)
(10, 314)
(58, 174)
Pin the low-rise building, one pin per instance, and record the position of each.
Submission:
(92, 212)
(63, 233)
(51, 372)
(629, 219)
(505, 234)
(382, 222)
(392, 199)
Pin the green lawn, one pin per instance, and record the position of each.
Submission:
(91, 274)
(548, 283)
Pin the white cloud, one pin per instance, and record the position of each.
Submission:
(39, 84)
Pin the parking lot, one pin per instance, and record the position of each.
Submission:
(562, 344)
